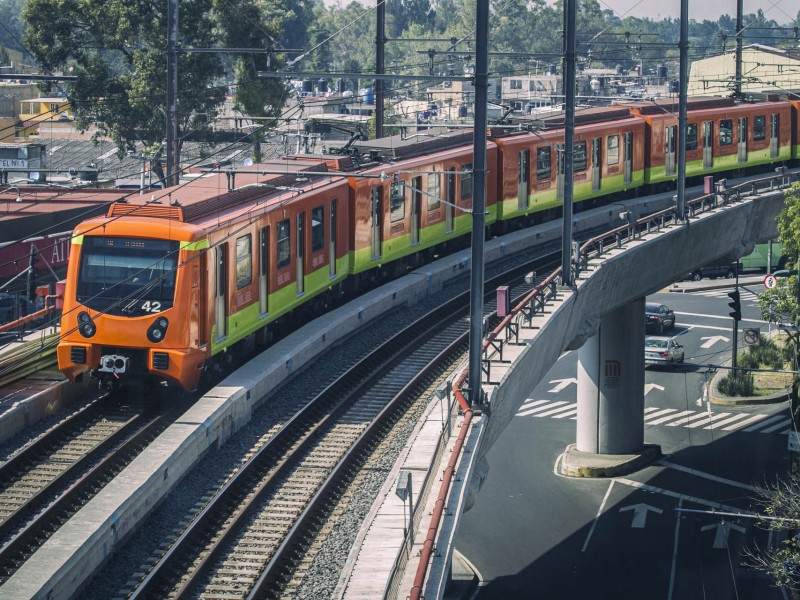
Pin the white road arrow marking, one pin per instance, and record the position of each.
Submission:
(649, 387)
(713, 340)
(640, 513)
(562, 383)
(721, 537)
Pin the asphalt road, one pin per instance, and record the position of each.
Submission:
(652, 534)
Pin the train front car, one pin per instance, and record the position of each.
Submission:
(132, 302)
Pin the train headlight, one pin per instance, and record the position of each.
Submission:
(86, 326)
(158, 330)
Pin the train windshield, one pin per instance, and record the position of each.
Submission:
(127, 276)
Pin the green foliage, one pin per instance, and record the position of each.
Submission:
(767, 354)
(779, 305)
(117, 51)
(738, 384)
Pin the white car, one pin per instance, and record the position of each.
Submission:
(660, 350)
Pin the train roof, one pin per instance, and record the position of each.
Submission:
(398, 147)
(221, 190)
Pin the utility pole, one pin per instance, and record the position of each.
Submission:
(478, 203)
(570, 17)
(380, 42)
(683, 78)
(739, 26)
(173, 153)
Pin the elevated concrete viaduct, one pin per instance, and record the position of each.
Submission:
(610, 290)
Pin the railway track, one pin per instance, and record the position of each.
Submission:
(50, 479)
(253, 537)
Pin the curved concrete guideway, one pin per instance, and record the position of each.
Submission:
(605, 292)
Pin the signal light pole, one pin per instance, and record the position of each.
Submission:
(736, 314)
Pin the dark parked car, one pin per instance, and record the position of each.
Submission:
(728, 271)
(658, 317)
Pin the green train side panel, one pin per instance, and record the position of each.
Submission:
(582, 190)
(246, 321)
(722, 163)
(400, 246)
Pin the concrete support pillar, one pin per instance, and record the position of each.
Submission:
(611, 384)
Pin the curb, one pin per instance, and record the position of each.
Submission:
(716, 399)
(574, 463)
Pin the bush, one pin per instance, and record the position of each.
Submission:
(747, 360)
(767, 353)
(737, 384)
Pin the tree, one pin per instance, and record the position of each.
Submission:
(779, 305)
(117, 51)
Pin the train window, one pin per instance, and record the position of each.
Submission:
(127, 276)
(466, 182)
(244, 261)
(434, 190)
(284, 247)
(759, 128)
(579, 156)
(397, 201)
(516, 84)
(613, 150)
(543, 170)
(726, 132)
(691, 136)
(317, 228)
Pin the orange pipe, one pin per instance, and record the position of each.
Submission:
(430, 538)
(34, 315)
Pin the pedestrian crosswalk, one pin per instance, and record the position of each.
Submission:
(745, 294)
(672, 417)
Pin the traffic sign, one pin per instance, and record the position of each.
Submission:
(770, 281)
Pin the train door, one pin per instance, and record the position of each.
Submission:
(300, 244)
(669, 149)
(596, 164)
(377, 212)
(774, 132)
(742, 139)
(332, 240)
(221, 291)
(523, 179)
(416, 208)
(450, 195)
(263, 270)
(708, 144)
(628, 159)
(560, 172)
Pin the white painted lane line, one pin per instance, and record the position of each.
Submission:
(772, 419)
(728, 421)
(670, 417)
(675, 551)
(597, 516)
(531, 411)
(710, 419)
(704, 475)
(686, 314)
(752, 419)
(774, 428)
(530, 403)
(657, 490)
(650, 409)
(658, 414)
(687, 420)
(570, 413)
(572, 408)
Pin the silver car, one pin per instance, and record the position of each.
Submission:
(660, 350)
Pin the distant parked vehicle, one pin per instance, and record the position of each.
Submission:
(658, 317)
(660, 350)
(728, 271)
(760, 255)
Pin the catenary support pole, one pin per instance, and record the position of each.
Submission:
(683, 81)
(173, 157)
(570, 11)
(380, 43)
(478, 202)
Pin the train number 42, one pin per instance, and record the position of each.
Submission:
(152, 306)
